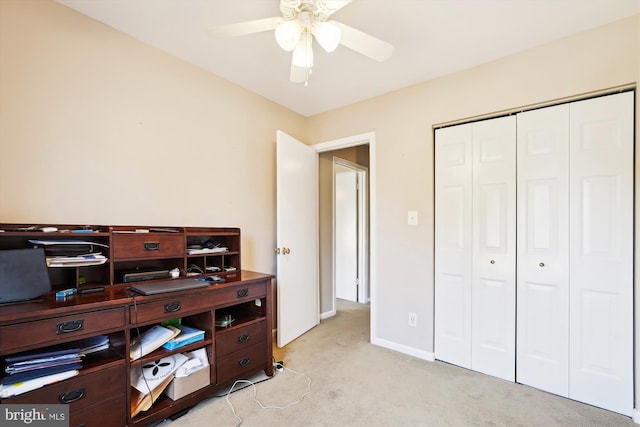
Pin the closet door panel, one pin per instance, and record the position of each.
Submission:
(453, 245)
(493, 284)
(601, 256)
(543, 237)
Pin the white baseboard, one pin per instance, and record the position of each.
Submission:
(420, 354)
(327, 314)
(636, 416)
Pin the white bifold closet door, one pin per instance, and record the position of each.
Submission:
(543, 249)
(493, 291)
(453, 242)
(475, 246)
(575, 251)
(601, 252)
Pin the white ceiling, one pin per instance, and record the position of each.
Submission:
(431, 38)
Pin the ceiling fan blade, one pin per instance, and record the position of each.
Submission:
(243, 28)
(365, 44)
(298, 74)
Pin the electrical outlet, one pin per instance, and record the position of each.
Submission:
(413, 319)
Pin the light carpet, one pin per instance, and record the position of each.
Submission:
(355, 383)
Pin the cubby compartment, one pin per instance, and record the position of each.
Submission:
(146, 269)
(78, 277)
(76, 254)
(150, 367)
(212, 251)
(241, 314)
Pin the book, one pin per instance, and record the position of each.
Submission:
(151, 340)
(187, 335)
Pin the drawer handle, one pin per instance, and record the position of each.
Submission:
(243, 338)
(243, 292)
(73, 395)
(172, 307)
(151, 246)
(244, 362)
(70, 326)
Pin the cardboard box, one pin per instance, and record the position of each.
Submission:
(182, 386)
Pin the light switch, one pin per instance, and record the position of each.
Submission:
(412, 217)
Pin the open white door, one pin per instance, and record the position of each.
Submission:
(297, 235)
(345, 233)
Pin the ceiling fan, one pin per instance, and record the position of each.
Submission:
(301, 22)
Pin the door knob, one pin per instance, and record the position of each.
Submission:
(541, 264)
(277, 250)
(286, 251)
(492, 261)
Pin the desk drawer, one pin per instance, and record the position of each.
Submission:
(170, 307)
(237, 364)
(59, 329)
(79, 392)
(240, 293)
(148, 246)
(110, 413)
(237, 339)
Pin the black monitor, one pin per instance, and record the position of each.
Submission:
(23, 275)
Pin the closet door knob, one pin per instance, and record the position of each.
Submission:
(541, 264)
(493, 261)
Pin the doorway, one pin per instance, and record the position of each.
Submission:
(350, 231)
(359, 150)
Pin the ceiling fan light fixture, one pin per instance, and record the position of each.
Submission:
(328, 34)
(288, 34)
(303, 53)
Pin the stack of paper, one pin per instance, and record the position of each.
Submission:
(92, 344)
(33, 369)
(151, 339)
(29, 371)
(76, 261)
(198, 251)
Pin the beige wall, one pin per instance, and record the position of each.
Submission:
(96, 127)
(403, 121)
